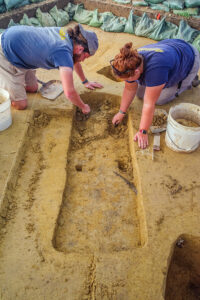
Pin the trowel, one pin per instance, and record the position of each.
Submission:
(156, 130)
(51, 89)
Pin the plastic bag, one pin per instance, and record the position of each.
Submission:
(10, 4)
(131, 23)
(45, 19)
(192, 3)
(164, 30)
(196, 42)
(29, 21)
(187, 12)
(186, 33)
(176, 4)
(154, 1)
(117, 25)
(95, 21)
(82, 15)
(139, 3)
(122, 1)
(159, 7)
(60, 16)
(145, 26)
(71, 8)
(12, 23)
(2, 8)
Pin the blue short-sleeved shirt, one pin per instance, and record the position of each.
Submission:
(31, 47)
(168, 61)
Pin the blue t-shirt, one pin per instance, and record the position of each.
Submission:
(31, 47)
(168, 61)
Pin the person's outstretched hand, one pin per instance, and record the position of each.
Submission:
(117, 119)
(86, 109)
(142, 139)
(92, 85)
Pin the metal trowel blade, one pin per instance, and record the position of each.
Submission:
(52, 89)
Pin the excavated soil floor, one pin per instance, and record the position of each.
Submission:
(85, 213)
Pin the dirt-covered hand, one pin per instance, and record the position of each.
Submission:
(142, 139)
(91, 85)
(117, 118)
(86, 109)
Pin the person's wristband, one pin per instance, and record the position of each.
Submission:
(143, 131)
(122, 112)
(85, 81)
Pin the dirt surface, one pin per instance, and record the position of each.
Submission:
(187, 123)
(85, 213)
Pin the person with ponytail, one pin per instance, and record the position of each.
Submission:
(23, 49)
(156, 73)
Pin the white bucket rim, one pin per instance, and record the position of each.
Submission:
(178, 124)
(6, 104)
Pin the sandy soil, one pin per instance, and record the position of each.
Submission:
(85, 213)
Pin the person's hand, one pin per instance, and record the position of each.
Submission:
(91, 85)
(86, 109)
(142, 139)
(117, 118)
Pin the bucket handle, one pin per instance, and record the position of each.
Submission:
(193, 148)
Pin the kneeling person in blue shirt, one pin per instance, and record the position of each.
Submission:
(23, 49)
(157, 73)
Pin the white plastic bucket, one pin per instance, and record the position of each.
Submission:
(182, 138)
(5, 113)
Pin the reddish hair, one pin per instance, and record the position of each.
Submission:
(127, 59)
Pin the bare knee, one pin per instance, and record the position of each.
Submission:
(20, 104)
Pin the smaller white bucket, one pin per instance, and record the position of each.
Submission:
(182, 138)
(5, 113)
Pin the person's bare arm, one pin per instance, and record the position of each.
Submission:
(128, 95)
(66, 75)
(150, 97)
(89, 84)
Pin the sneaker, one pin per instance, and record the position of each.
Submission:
(196, 81)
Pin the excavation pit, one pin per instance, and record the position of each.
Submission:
(99, 207)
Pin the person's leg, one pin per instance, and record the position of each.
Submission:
(166, 95)
(31, 81)
(12, 79)
(192, 78)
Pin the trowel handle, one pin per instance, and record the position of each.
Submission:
(41, 82)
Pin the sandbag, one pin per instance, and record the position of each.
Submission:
(45, 19)
(2, 8)
(159, 6)
(187, 12)
(12, 23)
(10, 4)
(176, 4)
(60, 16)
(145, 26)
(196, 42)
(117, 25)
(70, 9)
(139, 3)
(35, 1)
(122, 1)
(29, 21)
(95, 21)
(154, 1)
(186, 33)
(82, 15)
(131, 23)
(164, 30)
(192, 3)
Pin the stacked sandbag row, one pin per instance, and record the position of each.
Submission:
(140, 26)
(186, 8)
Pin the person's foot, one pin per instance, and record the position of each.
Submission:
(32, 89)
(196, 81)
(20, 104)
